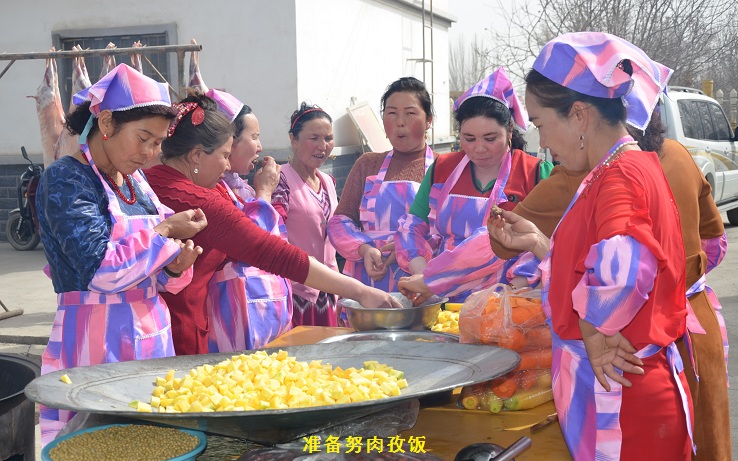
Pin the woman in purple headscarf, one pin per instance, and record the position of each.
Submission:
(111, 245)
(613, 272)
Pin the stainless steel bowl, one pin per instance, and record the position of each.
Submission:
(395, 335)
(422, 317)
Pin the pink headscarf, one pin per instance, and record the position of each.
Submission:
(590, 63)
(498, 87)
(123, 88)
(227, 103)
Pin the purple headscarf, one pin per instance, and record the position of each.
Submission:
(590, 63)
(498, 87)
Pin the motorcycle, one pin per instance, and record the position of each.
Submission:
(22, 228)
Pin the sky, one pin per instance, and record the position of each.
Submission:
(473, 16)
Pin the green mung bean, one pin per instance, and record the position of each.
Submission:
(125, 443)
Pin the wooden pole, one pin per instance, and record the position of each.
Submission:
(103, 52)
(171, 90)
(6, 68)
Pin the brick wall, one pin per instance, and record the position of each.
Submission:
(9, 179)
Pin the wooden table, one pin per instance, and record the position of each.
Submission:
(448, 428)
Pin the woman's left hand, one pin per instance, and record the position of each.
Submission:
(415, 289)
(390, 258)
(186, 257)
(518, 233)
(605, 353)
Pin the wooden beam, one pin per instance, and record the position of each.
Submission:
(102, 52)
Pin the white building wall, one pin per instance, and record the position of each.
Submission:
(271, 54)
(355, 48)
(248, 49)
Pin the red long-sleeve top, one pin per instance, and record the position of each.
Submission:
(229, 234)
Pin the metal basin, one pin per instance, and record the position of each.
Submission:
(422, 317)
(430, 368)
(395, 335)
(15, 373)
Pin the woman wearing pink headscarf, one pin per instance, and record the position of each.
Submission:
(247, 306)
(613, 272)
(443, 241)
(111, 244)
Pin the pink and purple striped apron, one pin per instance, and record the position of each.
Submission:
(453, 219)
(382, 206)
(93, 327)
(249, 307)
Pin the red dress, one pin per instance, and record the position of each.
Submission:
(630, 198)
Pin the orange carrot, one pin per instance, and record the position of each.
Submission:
(531, 360)
(505, 386)
(528, 316)
(493, 305)
(528, 378)
(511, 338)
(538, 338)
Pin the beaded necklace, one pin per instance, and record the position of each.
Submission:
(116, 189)
(615, 153)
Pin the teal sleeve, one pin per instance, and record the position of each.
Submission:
(420, 206)
(545, 169)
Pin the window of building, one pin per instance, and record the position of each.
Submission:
(122, 38)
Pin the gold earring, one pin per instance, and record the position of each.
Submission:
(581, 142)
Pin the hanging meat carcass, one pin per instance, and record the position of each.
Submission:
(108, 61)
(196, 81)
(136, 62)
(68, 143)
(49, 110)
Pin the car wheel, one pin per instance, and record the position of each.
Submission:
(24, 238)
(733, 216)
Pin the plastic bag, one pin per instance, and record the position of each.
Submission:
(500, 316)
(517, 390)
(514, 319)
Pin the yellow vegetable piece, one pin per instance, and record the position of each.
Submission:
(270, 381)
(65, 379)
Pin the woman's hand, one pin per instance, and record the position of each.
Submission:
(417, 265)
(372, 298)
(518, 233)
(390, 258)
(373, 263)
(415, 289)
(607, 352)
(182, 225)
(186, 257)
(266, 178)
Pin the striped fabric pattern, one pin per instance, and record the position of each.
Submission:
(123, 88)
(383, 204)
(121, 317)
(249, 307)
(590, 63)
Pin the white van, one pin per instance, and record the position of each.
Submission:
(699, 123)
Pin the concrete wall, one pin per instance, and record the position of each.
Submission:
(240, 42)
(360, 48)
(270, 54)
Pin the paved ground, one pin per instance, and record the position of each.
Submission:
(23, 285)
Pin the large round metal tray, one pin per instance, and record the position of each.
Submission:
(396, 335)
(429, 368)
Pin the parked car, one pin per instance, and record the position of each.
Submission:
(699, 123)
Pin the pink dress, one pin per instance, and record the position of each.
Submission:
(307, 218)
